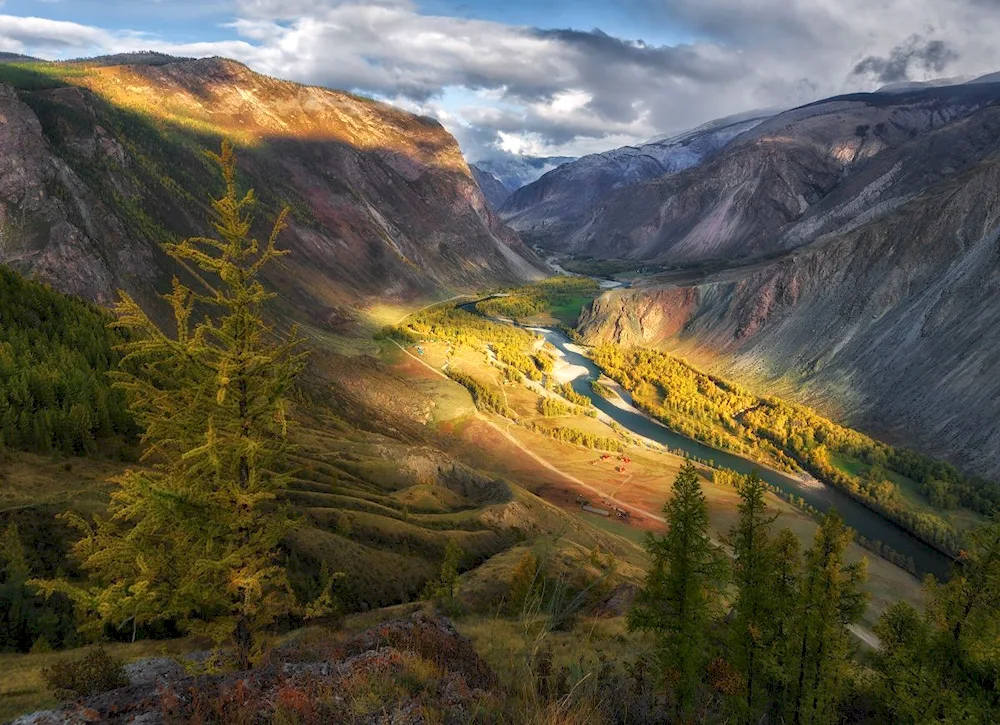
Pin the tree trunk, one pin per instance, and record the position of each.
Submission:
(243, 639)
(801, 684)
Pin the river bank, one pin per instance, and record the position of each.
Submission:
(579, 370)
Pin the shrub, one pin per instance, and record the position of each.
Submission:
(97, 672)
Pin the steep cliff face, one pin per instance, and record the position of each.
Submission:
(98, 164)
(888, 316)
(493, 189)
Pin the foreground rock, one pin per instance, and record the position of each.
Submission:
(408, 670)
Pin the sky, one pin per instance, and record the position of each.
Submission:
(544, 77)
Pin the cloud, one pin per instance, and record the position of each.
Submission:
(499, 86)
(929, 56)
(41, 34)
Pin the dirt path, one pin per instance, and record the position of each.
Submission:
(865, 635)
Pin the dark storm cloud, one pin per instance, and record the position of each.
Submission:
(915, 55)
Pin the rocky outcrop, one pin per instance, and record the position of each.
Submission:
(354, 682)
(99, 166)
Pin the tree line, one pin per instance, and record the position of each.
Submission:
(793, 437)
(534, 299)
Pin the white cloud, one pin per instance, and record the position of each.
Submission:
(562, 91)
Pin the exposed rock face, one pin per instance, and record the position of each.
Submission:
(493, 189)
(554, 209)
(95, 174)
(886, 310)
(323, 682)
(817, 170)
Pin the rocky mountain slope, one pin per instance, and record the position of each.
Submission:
(100, 163)
(517, 171)
(493, 189)
(868, 232)
(561, 202)
(795, 177)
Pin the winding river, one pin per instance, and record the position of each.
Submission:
(823, 497)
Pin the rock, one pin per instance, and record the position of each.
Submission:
(408, 649)
(153, 671)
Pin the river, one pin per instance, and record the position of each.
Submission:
(823, 497)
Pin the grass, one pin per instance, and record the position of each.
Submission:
(849, 464)
(22, 688)
(28, 480)
(961, 518)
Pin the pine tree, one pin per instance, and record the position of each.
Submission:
(194, 536)
(830, 598)
(759, 582)
(681, 594)
(905, 685)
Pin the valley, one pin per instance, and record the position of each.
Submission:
(347, 448)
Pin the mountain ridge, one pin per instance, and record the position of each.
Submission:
(560, 202)
(102, 163)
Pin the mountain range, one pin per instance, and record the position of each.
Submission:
(517, 171)
(555, 208)
(846, 251)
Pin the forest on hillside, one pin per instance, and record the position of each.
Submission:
(726, 415)
(55, 356)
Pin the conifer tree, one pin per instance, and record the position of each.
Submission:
(194, 535)
(443, 589)
(944, 666)
(757, 607)
(830, 598)
(681, 594)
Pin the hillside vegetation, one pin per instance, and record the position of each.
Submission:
(55, 355)
(929, 497)
(558, 298)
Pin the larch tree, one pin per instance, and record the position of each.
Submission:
(681, 595)
(943, 667)
(830, 598)
(194, 536)
(757, 608)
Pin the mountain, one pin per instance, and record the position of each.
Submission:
(517, 171)
(792, 178)
(493, 189)
(16, 58)
(848, 251)
(101, 163)
(560, 203)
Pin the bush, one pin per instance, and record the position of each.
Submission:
(97, 672)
